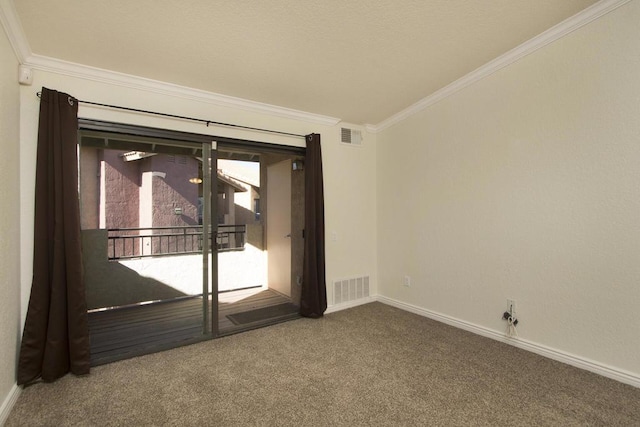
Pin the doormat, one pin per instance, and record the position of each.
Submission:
(274, 312)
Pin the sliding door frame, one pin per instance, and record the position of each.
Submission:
(217, 143)
(207, 145)
(223, 143)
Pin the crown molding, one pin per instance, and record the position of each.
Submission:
(13, 29)
(86, 72)
(15, 33)
(554, 33)
(371, 128)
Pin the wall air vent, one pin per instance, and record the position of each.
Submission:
(350, 136)
(351, 289)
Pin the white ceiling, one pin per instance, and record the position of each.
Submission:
(358, 60)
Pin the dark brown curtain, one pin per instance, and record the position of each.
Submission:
(313, 299)
(56, 335)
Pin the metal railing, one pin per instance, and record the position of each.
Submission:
(123, 243)
(231, 237)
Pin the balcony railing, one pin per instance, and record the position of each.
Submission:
(155, 241)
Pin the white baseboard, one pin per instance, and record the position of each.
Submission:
(8, 403)
(345, 305)
(559, 355)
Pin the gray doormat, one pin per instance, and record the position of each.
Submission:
(280, 311)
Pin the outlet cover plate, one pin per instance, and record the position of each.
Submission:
(511, 306)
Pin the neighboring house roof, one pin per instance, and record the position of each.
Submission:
(226, 179)
(240, 171)
(136, 155)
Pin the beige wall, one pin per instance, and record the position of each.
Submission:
(350, 172)
(350, 192)
(526, 185)
(9, 219)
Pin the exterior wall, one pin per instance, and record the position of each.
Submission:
(244, 205)
(237, 213)
(10, 222)
(110, 284)
(121, 186)
(174, 190)
(116, 193)
(249, 178)
(128, 196)
(525, 185)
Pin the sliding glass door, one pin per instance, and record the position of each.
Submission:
(150, 259)
(260, 205)
(185, 239)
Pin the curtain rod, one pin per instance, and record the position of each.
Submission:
(173, 116)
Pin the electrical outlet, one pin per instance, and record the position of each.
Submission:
(511, 306)
(407, 281)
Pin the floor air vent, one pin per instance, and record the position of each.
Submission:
(350, 289)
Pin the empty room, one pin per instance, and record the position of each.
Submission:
(320, 213)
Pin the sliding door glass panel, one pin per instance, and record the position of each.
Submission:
(258, 278)
(145, 217)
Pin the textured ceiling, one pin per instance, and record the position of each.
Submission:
(359, 60)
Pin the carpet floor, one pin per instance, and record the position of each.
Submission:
(369, 365)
